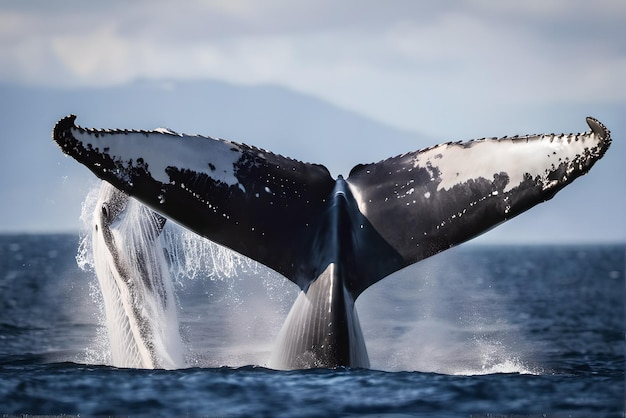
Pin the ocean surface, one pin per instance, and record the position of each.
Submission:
(482, 331)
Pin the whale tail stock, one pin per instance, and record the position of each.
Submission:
(343, 234)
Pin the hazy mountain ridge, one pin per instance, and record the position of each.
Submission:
(43, 190)
(40, 181)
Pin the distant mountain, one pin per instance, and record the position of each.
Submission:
(42, 189)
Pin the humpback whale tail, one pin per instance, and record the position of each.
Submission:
(333, 237)
(136, 288)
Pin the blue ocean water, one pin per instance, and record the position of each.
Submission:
(474, 331)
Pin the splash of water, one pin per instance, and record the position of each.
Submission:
(232, 309)
(191, 257)
(442, 317)
(128, 259)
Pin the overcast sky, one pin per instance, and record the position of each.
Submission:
(412, 64)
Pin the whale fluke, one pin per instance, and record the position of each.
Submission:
(333, 237)
(427, 201)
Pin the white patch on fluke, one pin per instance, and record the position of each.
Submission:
(356, 194)
(162, 148)
(536, 156)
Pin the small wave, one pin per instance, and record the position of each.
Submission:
(508, 366)
(495, 358)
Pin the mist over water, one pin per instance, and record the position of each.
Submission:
(442, 317)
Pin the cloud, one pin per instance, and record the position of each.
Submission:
(400, 62)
